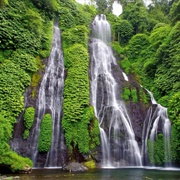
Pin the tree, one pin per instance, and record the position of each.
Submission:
(137, 15)
(102, 5)
(175, 12)
(123, 31)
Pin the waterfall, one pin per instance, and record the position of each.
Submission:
(50, 101)
(119, 147)
(156, 116)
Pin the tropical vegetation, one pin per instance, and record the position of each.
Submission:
(146, 38)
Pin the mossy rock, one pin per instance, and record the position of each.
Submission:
(90, 164)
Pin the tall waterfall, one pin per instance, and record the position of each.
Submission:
(50, 101)
(156, 116)
(119, 147)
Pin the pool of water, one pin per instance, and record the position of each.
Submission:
(104, 174)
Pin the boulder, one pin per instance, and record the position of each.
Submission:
(74, 167)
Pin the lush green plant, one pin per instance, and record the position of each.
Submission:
(7, 156)
(137, 15)
(126, 93)
(175, 144)
(24, 60)
(126, 65)
(101, 5)
(78, 119)
(123, 31)
(45, 137)
(136, 46)
(156, 151)
(13, 80)
(48, 6)
(175, 12)
(78, 34)
(28, 120)
(134, 95)
(76, 98)
(94, 133)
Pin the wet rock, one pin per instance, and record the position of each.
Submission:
(74, 167)
(26, 170)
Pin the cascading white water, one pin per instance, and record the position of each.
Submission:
(156, 114)
(119, 147)
(125, 76)
(50, 99)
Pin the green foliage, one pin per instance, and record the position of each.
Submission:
(78, 34)
(6, 122)
(45, 137)
(123, 31)
(29, 117)
(7, 156)
(130, 94)
(47, 6)
(175, 12)
(156, 151)
(143, 96)
(78, 119)
(137, 44)
(94, 133)
(26, 134)
(119, 49)
(3, 3)
(46, 39)
(13, 160)
(167, 74)
(66, 18)
(126, 93)
(13, 81)
(175, 143)
(76, 97)
(101, 6)
(72, 14)
(174, 109)
(126, 65)
(134, 95)
(157, 14)
(137, 15)
(28, 120)
(23, 29)
(77, 134)
(36, 78)
(24, 60)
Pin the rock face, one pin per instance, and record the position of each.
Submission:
(74, 167)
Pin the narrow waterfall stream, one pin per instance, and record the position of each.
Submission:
(156, 116)
(119, 147)
(50, 100)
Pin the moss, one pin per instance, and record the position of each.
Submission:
(45, 137)
(36, 77)
(143, 97)
(90, 164)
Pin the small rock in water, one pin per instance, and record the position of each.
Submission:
(74, 167)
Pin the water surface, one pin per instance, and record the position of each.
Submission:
(104, 174)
